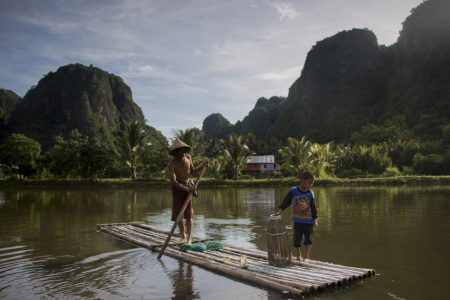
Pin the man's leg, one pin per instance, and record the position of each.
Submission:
(181, 228)
(189, 224)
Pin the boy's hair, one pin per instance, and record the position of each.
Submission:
(307, 175)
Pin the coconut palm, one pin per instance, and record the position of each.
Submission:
(296, 155)
(236, 153)
(131, 146)
(216, 166)
(319, 155)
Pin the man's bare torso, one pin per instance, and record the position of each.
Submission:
(181, 167)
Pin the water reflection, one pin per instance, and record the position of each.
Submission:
(49, 247)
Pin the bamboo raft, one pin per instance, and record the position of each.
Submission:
(296, 279)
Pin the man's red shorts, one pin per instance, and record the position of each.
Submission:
(179, 197)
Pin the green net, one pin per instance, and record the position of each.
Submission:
(185, 247)
(198, 247)
(214, 246)
(194, 247)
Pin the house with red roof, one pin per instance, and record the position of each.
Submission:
(261, 166)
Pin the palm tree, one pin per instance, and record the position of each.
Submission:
(236, 152)
(296, 154)
(215, 166)
(319, 157)
(212, 148)
(132, 146)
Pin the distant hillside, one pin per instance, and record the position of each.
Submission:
(8, 103)
(217, 126)
(419, 86)
(340, 88)
(258, 122)
(88, 99)
(348, 80)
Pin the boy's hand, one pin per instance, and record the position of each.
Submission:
(278, 213)
(316, 225)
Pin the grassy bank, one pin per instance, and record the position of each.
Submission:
(210, 182)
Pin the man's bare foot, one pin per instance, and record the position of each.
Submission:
(184, 240)
(189, 241)
(306, 260)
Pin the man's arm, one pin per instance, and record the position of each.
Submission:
(197, 170)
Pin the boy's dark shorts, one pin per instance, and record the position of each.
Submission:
(301, 230)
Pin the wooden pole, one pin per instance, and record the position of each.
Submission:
(180, 215)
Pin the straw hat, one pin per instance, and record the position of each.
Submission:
(177, 145)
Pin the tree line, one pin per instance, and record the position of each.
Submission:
(376, 151)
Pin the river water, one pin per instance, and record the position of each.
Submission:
(49, 247)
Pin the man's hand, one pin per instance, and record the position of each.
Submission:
(206, 163)
(192, 189)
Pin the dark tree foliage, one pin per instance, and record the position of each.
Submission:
(18, 154)
(77, 157)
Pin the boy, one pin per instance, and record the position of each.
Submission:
(304, 213)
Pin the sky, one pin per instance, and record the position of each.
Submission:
(183, 59)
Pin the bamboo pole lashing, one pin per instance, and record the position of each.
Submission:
(255, 259)
(237, 272)
(316, 266)
(261, 257)
(235, 262)
(291, 271)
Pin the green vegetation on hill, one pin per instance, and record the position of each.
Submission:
(87, 99)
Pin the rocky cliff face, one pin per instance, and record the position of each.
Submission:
(348, 80)
(8, 102)
(420, 81)
(75, 97)
(216, 126)
(342, 82)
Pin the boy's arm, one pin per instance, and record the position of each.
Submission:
(286, 202)
(314, 213)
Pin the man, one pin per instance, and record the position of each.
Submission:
(180, 167)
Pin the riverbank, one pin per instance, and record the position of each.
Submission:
(211, 182)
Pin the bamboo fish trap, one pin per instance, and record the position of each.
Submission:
(278, 247)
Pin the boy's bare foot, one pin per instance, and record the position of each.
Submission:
(306, 260)
(299, 258)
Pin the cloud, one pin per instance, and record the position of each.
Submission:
(198, 52)
(285, 10)
(138, 71)
(285, 74)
